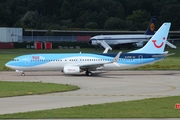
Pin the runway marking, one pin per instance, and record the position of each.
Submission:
(169, 86)
(147, 94)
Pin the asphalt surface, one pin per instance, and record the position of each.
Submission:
(103, 87)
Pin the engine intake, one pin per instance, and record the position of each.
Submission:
(139, 44)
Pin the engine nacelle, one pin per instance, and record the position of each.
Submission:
(139, 44)
(71, 70)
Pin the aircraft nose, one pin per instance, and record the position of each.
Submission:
(7, 65)
(12, 65)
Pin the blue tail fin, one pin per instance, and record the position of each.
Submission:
(151, 27)
(158, 41)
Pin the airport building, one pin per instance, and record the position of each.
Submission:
(9, 36)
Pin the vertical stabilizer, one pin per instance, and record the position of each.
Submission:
(151, 27)
(158, 41)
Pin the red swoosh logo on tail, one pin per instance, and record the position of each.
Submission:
(157, 46)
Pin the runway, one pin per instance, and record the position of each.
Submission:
(101, 88)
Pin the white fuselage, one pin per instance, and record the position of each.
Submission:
(119, 39)
(91, 61)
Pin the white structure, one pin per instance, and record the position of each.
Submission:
(10, 34)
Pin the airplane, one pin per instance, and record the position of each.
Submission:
(74, 63)
(134, 40)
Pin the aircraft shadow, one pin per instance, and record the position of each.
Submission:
(95, 74)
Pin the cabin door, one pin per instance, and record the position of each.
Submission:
(140, 58)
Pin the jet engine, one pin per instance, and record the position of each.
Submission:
(139, 44)
(71, 70)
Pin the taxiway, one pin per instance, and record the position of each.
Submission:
(100, 88)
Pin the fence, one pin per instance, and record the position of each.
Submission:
(47, 38)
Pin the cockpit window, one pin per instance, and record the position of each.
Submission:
(15, 60)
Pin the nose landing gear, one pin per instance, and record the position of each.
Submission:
(22, 72)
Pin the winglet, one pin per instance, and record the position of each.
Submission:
(117, 57)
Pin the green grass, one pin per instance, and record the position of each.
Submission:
(148, 108)
(170, 63)
(8, 89)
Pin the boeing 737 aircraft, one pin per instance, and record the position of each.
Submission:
(133, 40)
(74, 63)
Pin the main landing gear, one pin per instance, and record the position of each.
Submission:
(88, 73)
(22, 74)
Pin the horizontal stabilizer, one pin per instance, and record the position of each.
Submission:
(163, 55)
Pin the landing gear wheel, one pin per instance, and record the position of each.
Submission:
(22, 74)
(88, 73)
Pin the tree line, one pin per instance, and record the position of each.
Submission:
(88, 14)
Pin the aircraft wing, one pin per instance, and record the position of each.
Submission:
(128, 42)
(91, 66)
(171, 45)
(174, 39)
(96, 66)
